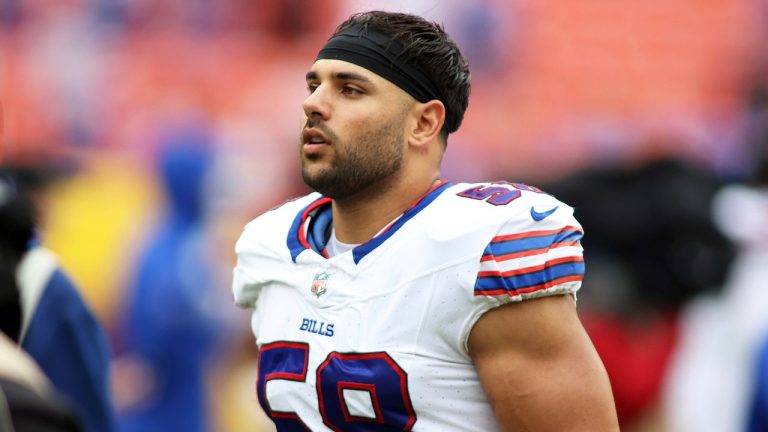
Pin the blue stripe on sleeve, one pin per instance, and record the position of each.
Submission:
(534, 278)
(505, 247)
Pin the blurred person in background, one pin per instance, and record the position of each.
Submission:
(393, 300)
(750, 276)
(757, 416)
(652, 248)
(171, 326)
(58, 328)
(28, 401)
(719, 379)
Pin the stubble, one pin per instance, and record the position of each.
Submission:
(371, 157)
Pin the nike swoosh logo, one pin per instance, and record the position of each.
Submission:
(540, 216)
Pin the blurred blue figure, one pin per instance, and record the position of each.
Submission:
(28, 402)
(169, 328)
(56, 327)
(63, 336)
(758, 416)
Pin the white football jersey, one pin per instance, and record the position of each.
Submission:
(376, 338)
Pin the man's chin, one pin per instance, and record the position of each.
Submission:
(313, 178)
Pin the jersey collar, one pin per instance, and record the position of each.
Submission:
(310, 224)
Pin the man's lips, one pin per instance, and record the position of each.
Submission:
(313, 149)
(313, 141)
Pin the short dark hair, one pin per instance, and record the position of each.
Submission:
(427, 45)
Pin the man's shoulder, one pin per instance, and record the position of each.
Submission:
(287, 210)
(501, 201)
(267, 233)
(280, 217)
(467, 217)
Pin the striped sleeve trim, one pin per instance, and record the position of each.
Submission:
(506, 247)
(532, 261)
(549, 276)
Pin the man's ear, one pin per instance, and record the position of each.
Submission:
(429, 118)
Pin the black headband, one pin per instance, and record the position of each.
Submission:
(380, 54)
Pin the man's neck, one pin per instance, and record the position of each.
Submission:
(358, 219)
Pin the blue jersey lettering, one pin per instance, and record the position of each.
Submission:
(316, 327)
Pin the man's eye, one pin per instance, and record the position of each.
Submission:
(351, 91)
(312, 87)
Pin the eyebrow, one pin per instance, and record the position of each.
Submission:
(340, 76)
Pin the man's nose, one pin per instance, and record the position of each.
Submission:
(316, 104)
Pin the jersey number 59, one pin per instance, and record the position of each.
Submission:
(376, 374)
(498, 193)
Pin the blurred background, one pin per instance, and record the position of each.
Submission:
(163, 126)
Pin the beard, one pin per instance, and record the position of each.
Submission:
(358, 164)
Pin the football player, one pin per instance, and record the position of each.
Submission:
(390, 299)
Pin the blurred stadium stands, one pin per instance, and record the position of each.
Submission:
(558, 87)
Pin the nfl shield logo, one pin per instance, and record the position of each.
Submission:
(319, 284)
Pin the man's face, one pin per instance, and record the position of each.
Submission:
(353, 129)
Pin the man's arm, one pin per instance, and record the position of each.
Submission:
(540, 370)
